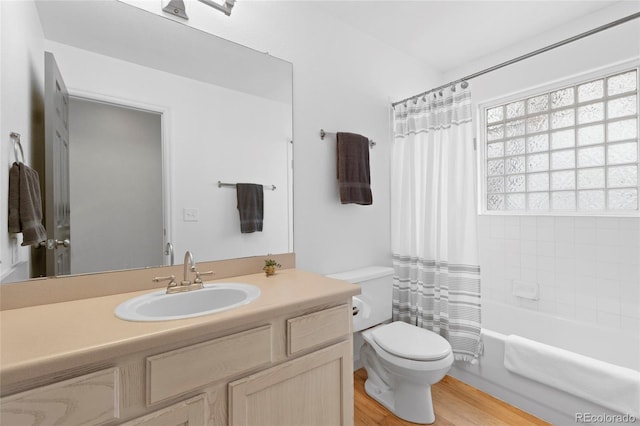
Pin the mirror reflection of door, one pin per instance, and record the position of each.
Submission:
(116, 181)
(56, 170)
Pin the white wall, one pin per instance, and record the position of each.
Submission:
(21, 87)
(343, 81)
(588, 268)
(199, 120)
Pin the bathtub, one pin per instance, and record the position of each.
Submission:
(553, 405)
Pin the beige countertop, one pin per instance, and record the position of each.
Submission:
(45, 339)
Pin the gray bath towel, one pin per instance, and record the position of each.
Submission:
(250, 206)
(25, 205)
(354, 177)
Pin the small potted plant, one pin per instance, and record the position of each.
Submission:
(270, 266)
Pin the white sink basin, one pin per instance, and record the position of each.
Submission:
(159, 306)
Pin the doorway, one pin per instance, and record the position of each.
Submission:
(116, 186)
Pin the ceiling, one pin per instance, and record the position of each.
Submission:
(447, 34)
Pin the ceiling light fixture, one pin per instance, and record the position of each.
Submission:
(177, 7)
(224, 8)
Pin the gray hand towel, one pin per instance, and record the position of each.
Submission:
(25, 205)
(250, 206)
(354, 177)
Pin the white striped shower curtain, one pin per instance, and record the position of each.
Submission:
(434, 222)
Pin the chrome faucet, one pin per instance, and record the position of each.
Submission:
(185, 284)
(188, 261)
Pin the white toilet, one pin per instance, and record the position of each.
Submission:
(402, 360)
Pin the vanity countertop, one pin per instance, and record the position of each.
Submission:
(45, 339)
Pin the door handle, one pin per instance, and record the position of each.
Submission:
(54, 244)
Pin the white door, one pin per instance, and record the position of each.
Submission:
(56, 169)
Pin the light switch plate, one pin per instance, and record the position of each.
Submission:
(190, 215)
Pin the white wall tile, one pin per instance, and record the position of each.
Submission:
(512, 246)
(564, 230)
(609, 236)
(529, 261)
(630, 325)
(512, 228)
(584, 222)
(512, 259)
(565, 295)
(609, 305)
(568, 310)
(608, 270)
(606, 319)
(585, 235)
(630, 273)
(607, 223)
(565, 271)
(497, 226)
(587, 315)
(608, 288)
(529, 229)
(588, 268)
(586, 251)
(630, 255)
(547, 292)
(529, 247)
(548, 306)
(546, 229)
(566, 250)
(546, 277)
(586, 300)
(546, 248)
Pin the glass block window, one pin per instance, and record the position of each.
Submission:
(571, 149)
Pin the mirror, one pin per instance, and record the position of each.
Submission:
(223, 114)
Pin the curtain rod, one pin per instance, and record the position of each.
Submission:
(527, 55)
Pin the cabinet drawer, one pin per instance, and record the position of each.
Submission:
(186, 369)
(318, 328)
(192, 412)
(89, 399)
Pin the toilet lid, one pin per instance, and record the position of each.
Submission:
(411, 342)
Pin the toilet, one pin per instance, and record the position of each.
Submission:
(402, 360)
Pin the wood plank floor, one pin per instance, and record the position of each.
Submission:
(454, 402)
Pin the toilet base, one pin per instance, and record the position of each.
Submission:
(411, 403)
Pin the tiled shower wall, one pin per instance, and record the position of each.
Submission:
(587, 268)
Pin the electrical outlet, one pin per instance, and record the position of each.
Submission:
(190, 215)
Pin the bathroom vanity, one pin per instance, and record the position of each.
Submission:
(285, 358)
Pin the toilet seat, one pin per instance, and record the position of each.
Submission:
(410, 342)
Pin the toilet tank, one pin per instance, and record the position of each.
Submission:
(373, 305)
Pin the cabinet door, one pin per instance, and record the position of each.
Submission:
(192, 412)
(316, 389)
(91, 399)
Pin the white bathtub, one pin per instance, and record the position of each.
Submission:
(553, 405)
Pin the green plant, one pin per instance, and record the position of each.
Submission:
(271, 262)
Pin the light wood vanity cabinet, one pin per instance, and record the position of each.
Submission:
(294, 369)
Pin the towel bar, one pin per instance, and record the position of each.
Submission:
(372, 143)
(221, 184)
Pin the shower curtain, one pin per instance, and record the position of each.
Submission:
(436, 282)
